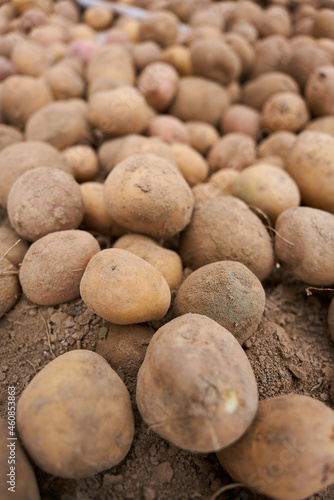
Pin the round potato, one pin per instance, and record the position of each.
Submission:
(71, 432)
(226, 292)
(290, 436)
(319, 91)
(284, 111)
(255, 92)
(304, 60)
(98, 18)
(166, 261)
(30, 58)
(53, 266)
(145, 53)
(196, 387)
(9, 285)
(272, 53)
(202, 136)
(224, 228)
(124, 289)
(235, 150)
(146, 194)
(323, 25)
(12, 246)
(275, 20)
(323, 124)
(169, 128)
(305, 244)
(64, 82)
(239, 118)
(160, 27)
(191, 164)
(83, 162)
(278, 143)
(158, 83)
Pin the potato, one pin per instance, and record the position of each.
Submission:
(125, 346)
(158, 83)
(275, 161)
(82, 50)
(71, 432)
(83, 162)
(123, 288)
(133, 144)
(96, 217)
(208, 16)
(44, 200)
(234, 92)
(9, 285)
(284, 111)
(323, 124)
(20, 157)
(272, 53)
(64, 82)
(111, 61)
(331, 319)
(202, 136)
(203, 32)
(50, 34)
(246, 30)
(145, 53)
(105, 83)
(30, 58)
(319, 91)
(14, 462)
(205, 191)
(191, 164)
(186, 106)
(224, 180)
(68, 10)
(17, 110)
(82, 31)
(119, 111)
(242, 47)
(304, 244)
(98, 18)
(323, 24)
(130, 27)
(226, 292)
(268, 188)
(328, 45)
(310, 164)
(61, 124)
(275, 20)
(255, 92)
(304, 60)
(196, 387)
(286, 452)
(241, 118)
(278, 143)
(224, 228)
(53, 266)
(179, 57)
(6, 68)
(9, 135)
(235, 150)
(169, 128)
(12, 246)
(166, 261)
(160, 27)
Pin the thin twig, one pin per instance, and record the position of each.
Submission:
(277, 234)
(9, 249)
(261, 212)
(47, 333)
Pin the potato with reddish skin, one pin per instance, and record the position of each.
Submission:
(196, 387)
(169, 128)
(71, 432)
(290, 434)
(158, 83)
(239, 118)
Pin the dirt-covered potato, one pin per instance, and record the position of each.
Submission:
(64, 82)
(111, 61)
(134, 144)
(187, 106)
(21, 482)
(323, 124)
(125, 347)
(202, 136)
(96, 217)
(224, 180)
(166, 261)
(83, 162)
(158, 83)
(286, 452)
(17, 109)
(53, 266)
(20, 157)
(44, 200)
(305, 244)
(124, 289)
(12, 246)
(9, 135)
(191, 163)
(224, 228)
(310, 164)
(147, 194)
(179, 56)
(319, 91)
(169, 128)
(278, 143)
(284, 111)
(268, 188)
(227, 292)
(75, 417)
(9, 285)
(196, 387)
(159, 27)
(239, 118)
(255, 92)
(235, 150)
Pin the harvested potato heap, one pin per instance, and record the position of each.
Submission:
(196, 144)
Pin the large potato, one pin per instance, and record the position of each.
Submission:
(235, 150)
(310, 164)
(226, 292)
(224, 228)
(53, 266)
(124, 289)
(146, 194)
(9, 285)
(288, 451)
(196, 387)
(305, 244)
(75, 417)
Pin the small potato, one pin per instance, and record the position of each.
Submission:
(75, 417)
(268, 188)
(124, 289)
(202, 136)
(83, 162)
(111, 61)
(284, 111)
(286, 452)
(64, 82)
(9, 135)
(180, 58)
(44, 200)
(146, 194)
(160, 27)
(226, 292)
(331, 319)
(158, 83)
(12, 246)
(169, 128)
(324, 124)
(120, 111)
(134, 144)
(53, 266)
(235, 150)
(145, 53)
(256, 92)
(191, 164)
(224, 179)
(319, 91)
(82, 31)
(98, 18)
(96, 217)
(205, 191)
(9, 285)
(278, 143)
(272, 53)
(166, 261)
(239, 118)
(310, 164)
(305, 244)
(21, 478)
(224, 228)
(196, 387)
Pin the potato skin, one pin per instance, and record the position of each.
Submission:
(284, 111)
(158, 83)
(305, 244)
(71, 432)
(196, 387)
(202, 136)
(235, 150)
(319, 91)
(12, 246)
(256, 92)
(123, 288)
(9, 286)
(191, 163)
(278, 143)
(96, 217)
(9, 135)
(287, 453)
(160, 27)
(226, 292)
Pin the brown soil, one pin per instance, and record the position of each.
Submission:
(291, 352)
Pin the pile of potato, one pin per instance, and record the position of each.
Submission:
(199, 141)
